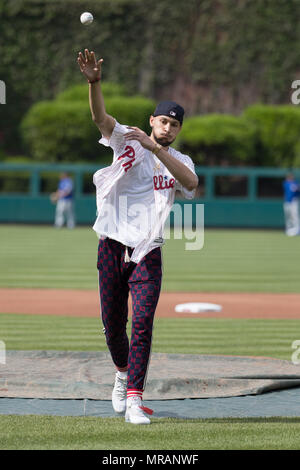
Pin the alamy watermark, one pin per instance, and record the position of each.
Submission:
(2, 92)
(296, 353)
(185, 221)
(295, 98)
(2, 353)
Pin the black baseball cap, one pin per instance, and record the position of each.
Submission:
(171, 109)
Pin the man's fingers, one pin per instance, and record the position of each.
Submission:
(93, 58)
(81, 61)
(80, 64)
(132, 136)
(131, 132)
(87, 55)
(80, 56)
(134, 130)
(129, 135)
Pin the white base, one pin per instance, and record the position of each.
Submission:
(197, 307)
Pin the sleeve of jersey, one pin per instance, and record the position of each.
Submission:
(116, 141)
(187, 161)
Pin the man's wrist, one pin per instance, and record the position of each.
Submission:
(156, 149)
(94, 81)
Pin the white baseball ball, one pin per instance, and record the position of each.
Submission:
(86, 18)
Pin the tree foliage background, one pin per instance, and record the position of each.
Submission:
(213, 56)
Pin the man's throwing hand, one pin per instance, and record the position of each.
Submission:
(89, 66)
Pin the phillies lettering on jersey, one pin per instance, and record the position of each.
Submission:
(129, 153)
(163, 183)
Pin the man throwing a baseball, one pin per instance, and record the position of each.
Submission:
(134, 197)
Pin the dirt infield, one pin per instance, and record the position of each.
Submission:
(85, 303)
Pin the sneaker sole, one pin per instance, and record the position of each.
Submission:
(127, 420)
(120, 413)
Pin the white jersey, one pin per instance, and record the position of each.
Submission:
(135, 194)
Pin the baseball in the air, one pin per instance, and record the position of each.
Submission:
(86, 18)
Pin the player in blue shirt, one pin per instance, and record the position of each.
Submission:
(64, 202)
(291, 189)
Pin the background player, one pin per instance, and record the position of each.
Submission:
(63, 198)
(291, 205)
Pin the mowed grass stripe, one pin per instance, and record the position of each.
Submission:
(87, 433)
(41, 256)
(272, 338)
(180, 324)
(231, 260)
(237, 260)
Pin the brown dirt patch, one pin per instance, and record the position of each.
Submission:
(84, 303)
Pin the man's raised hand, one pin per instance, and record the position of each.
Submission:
(89, 66)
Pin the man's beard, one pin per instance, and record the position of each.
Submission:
(162, 141)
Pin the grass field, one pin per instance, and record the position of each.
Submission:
(231, 260)
(51, 432)
(242, 337)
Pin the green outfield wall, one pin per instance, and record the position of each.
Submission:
(232, 197)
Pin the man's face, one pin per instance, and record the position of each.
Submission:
(164, 129)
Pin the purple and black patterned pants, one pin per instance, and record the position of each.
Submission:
(116, 279)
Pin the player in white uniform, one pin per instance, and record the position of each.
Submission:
(134, 198)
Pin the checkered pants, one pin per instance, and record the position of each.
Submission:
(116, 279)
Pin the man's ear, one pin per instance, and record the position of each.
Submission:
(151, 120)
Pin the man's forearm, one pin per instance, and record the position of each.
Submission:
(100, 117)
(96, 100)
(180, 171)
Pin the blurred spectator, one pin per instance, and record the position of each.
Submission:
(291, 189)
(63, 198)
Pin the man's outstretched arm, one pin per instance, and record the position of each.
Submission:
(91, 69)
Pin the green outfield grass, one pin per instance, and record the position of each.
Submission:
(242, 337)
(231, 260)
(51, 432)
